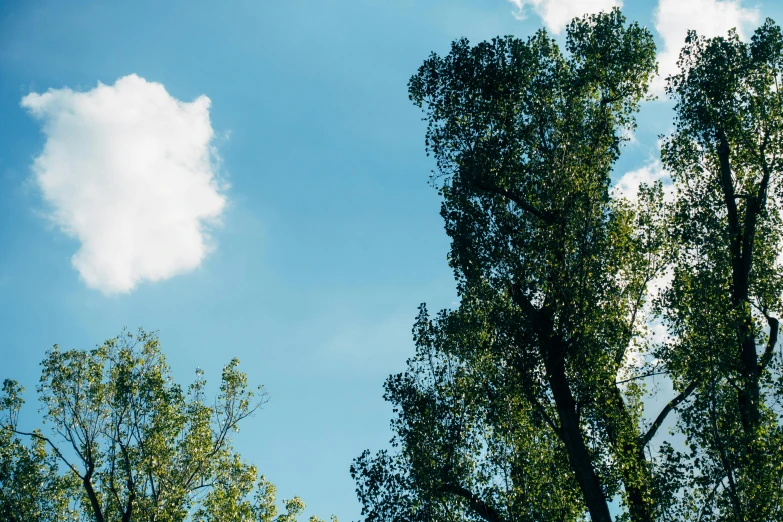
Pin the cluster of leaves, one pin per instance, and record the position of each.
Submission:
(528, 401)
(30, 486)
(134, 444)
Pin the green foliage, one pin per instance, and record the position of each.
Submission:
(510, 410)
(31, 488)
(135, 445)
(725, 300)
(526, 402)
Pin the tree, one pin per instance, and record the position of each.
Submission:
(724, 305)
(135, 446)
(552, 275)
(526, 402)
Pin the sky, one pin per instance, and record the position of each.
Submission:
(249, 179)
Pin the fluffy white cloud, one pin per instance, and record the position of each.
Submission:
(556, 14)
(628, 185)
(130, 172)
(710, 18)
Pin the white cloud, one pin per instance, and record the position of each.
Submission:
(628, 185)
(130, 172)
(556, 14)
(710, 18)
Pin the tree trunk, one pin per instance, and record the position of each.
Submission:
(629, 449)
(571, 434)
(94, 503)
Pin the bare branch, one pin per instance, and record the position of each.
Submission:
(643, 376)
(48, 441)
(665, 411)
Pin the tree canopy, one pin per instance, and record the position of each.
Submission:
(129, 444)
(724, 304)
(527, 402)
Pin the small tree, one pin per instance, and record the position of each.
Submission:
(135, 445)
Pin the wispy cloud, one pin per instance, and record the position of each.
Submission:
(556, 14)
(130, 172)
(710, 18)
(628, 185)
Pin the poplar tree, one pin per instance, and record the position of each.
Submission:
(527, 402)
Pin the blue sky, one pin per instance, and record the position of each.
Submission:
(323, 235)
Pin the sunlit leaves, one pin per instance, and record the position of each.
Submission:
(136, 446)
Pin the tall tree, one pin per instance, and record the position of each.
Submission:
(135, 446)
(521, 404)
(723, 308)
(513, 408)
